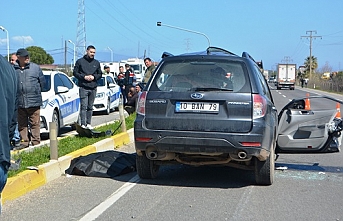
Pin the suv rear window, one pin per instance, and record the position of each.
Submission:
(196, 74)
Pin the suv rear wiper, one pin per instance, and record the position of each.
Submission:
(210, 89)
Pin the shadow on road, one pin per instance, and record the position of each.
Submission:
(203, 177)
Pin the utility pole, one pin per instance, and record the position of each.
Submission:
(81, 30)
(286, 59)
(187, 44)
(65, 57)
(311, 36)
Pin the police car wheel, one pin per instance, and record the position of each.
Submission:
(108, 108)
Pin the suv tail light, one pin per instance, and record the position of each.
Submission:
(260, 106)
(141, 103)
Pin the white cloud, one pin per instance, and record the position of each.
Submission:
(22, 40)
(3, 41)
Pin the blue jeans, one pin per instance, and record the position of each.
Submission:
(16, 136)
(3, 180)
(87, 97)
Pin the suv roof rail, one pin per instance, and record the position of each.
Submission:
(166, 54)
(216, 49)
(247, 55)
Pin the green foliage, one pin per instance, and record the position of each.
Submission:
(39, 56)
(66, 145)
(313, 61)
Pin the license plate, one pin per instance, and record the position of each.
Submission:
(204, 107)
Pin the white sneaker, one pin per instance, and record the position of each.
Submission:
(89, 126)
(83, 126)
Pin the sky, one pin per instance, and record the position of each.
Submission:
(271, 31)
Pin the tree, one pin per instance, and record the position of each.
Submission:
(326, 68)
(39, 56)
(314, 63)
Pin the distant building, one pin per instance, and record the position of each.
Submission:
(48, 66)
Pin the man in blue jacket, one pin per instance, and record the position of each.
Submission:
(87, 70)
(31, 83)
(8, 116)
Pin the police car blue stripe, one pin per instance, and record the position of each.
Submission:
(69, 108)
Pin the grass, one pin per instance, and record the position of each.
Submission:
(41, 155)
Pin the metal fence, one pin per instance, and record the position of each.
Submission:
(334, 85)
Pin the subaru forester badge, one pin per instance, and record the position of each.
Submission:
(197, 96)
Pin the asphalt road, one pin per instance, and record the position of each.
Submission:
(306, 187)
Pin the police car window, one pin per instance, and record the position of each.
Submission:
(57, 81)
(109, 80)
(66, 81)
(47, 84)
(101, 82)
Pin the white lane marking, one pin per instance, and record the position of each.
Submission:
(102, 207)
(283, 95)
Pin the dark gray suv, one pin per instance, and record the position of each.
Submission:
(210, 108)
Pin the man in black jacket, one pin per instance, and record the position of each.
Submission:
(87, 70)
(8, 116)
(129, 78)
(31, 82)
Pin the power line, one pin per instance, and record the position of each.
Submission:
(156, 43)
(146, 36)
(286, 59)
(311, 36)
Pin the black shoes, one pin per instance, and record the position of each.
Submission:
(20, 147)
(15, 143)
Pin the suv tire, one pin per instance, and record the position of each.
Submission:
(146, 169)
(264, 170)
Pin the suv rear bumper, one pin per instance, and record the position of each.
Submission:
(163, 143)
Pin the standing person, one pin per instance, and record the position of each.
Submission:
(138, 89)
(16, 138)
(302, 82)
(107, 69)
(14, 59)
(121, 81)
(8, 116)
(150, 68)
(31, 82)
(87, 70)
(129, 77)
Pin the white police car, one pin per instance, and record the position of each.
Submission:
(107, 96)
(61, 101)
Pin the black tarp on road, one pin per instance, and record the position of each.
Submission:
(103, 164)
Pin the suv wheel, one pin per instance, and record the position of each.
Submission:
(146, 168)
(264, 170)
